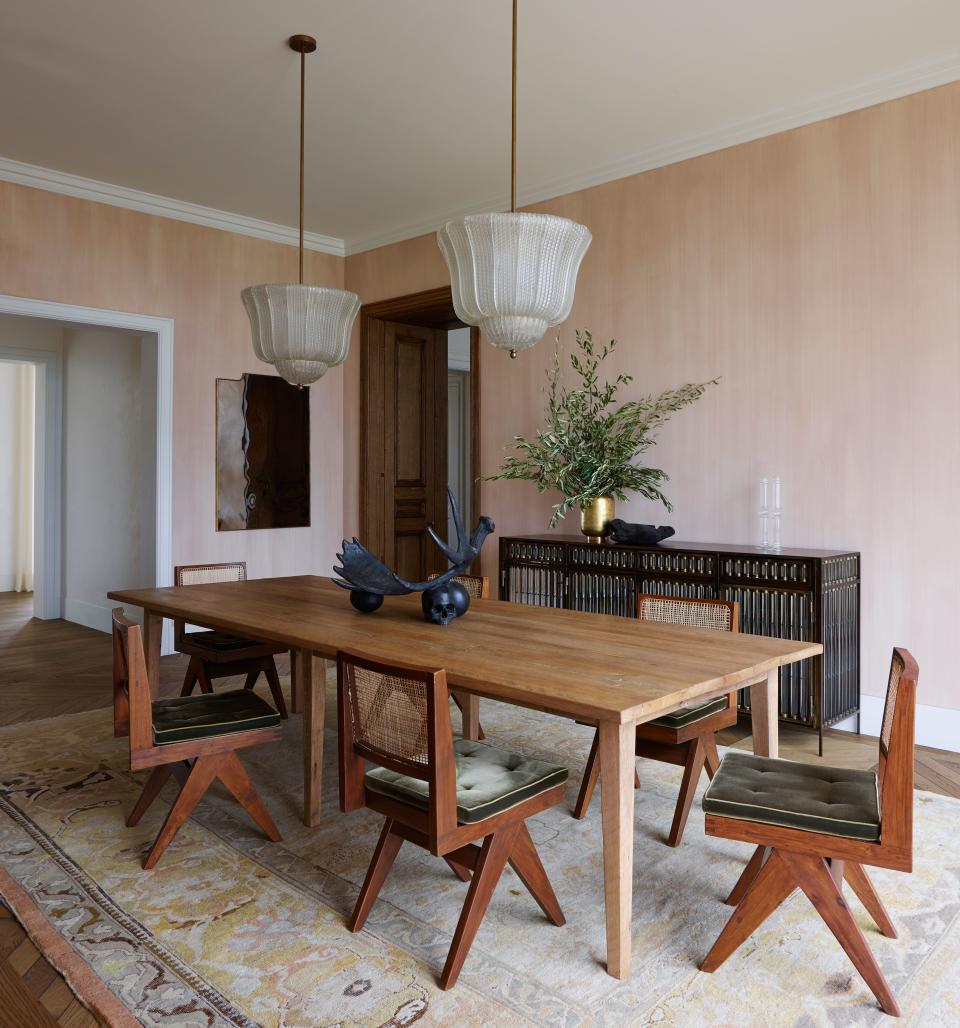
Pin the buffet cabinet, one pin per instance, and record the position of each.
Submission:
(793, 594)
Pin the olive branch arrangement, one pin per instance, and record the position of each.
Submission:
(590, 443)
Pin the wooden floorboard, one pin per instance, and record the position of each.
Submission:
(48, 668)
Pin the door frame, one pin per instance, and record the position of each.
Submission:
(432, 308)
(48, 503)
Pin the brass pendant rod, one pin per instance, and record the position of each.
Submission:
(513, 118)
(303, 70)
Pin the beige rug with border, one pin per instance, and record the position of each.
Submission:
(233, 930)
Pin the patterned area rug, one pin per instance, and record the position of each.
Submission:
(233, 930)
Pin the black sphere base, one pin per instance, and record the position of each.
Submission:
(365, 602)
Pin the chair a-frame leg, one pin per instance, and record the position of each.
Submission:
(383, 857)
(778, 877)
(857, 879)
(156, 781)
(202, 773)
(526, 862)
(234, 776)
(494, 853)
(696, 755)
(746, 879)
(591, 775)
(276, 691)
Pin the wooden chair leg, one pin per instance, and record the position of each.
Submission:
(712, 760)
(251, 679)
(525, 860)
(748, 877)
(770, 888)
(156, 781)
(202, 773)
(590, 775)
(275, 689)
(460, 870)
(234, 776)
(696, 754)
(813, 876)
(203, 676)
(493, 857)
(383, 857)
(863, 887)
(190, 678)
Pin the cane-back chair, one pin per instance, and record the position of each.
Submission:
(193, 738)
(686, 736)
(478, 587)
(215, 654)
(816, 827)
(462, 800)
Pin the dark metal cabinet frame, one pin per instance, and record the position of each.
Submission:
(794, 594)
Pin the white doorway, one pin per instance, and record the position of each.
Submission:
(150, 340)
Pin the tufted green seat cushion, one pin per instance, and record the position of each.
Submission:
(489, 781)
(829, 800)
(184, 718)
(683, 716)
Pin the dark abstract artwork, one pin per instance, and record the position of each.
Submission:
(263, 454)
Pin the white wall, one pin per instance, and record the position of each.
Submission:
(8, 474)
(109, 443)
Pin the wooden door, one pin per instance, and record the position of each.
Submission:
(415, 447)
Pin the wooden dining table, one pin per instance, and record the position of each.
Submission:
(612, 671)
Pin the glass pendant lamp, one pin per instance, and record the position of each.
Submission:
(301, 330)
(513, 275)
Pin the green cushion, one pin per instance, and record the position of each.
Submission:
(829, 800)
(489, 781)
(183, 718)
(683, 716)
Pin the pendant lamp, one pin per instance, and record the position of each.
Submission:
(513, 275)
(301, 330)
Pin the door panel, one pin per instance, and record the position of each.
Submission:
(415, 444)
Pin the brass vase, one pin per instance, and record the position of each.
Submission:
(595, 518)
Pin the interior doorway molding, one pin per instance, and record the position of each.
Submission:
(48, 512)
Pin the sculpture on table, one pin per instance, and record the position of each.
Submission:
(625, 534)
(368, 578)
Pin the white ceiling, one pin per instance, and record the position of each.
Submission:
(408, 100)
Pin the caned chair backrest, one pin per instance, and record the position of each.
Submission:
(397, 717)
(209, 574)
(205, 574)
(132, 706)
(478, 586)
(895, 773)
(721, 615)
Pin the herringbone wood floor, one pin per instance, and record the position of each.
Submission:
(54, 667)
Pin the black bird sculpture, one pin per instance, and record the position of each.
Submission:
(359, 569)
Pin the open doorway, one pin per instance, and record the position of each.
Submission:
(419, 427)
(102, 434)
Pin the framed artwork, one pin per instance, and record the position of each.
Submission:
(263, 454)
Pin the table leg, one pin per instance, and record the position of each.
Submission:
(470, 708)
(152, 632)
(617, 764)
(311, 678)
(764, 709)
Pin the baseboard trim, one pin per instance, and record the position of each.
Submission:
(90, 615)
(6, 584)
(938, 727)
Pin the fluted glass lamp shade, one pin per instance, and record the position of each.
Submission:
(513, 275)
(301, 330)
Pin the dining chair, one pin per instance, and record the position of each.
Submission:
(463, 800)
(214, 654)
(816, 827)
(686, 736)
(167, 734)
(478, 586)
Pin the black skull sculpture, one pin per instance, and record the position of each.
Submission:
(440, 603)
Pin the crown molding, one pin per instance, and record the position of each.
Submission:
(163, 206)
(879, 89)
(868, 93)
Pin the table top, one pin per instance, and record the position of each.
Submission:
(595, 666)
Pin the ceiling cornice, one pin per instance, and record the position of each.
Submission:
(162, 206)
(873, 91)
